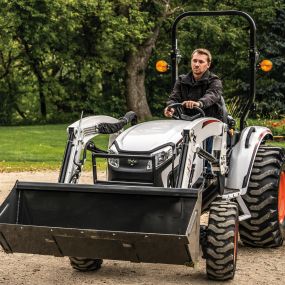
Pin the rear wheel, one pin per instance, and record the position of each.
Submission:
(222, 240)
(85, 264)
(265, 199)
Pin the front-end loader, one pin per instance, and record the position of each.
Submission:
(149, 207)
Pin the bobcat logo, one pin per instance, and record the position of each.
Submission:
(132, 162)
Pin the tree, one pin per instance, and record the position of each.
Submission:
(137, 58)
(60, 57)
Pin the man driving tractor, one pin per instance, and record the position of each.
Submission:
(200, 88)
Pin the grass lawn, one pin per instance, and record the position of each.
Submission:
(280, 144)
(36, 147)
(42, 148)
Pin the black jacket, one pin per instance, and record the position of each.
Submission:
(207, 90)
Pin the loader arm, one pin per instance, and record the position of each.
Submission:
(79, 133)
(189, 169)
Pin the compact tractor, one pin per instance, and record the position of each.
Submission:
(149, 207)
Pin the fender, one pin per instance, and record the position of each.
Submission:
(243, 156)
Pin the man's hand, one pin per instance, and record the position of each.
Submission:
(191, 104)
(168, 112)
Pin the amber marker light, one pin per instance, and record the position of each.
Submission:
(266, 65)
(161, 66)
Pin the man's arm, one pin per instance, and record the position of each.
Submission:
(213, 93)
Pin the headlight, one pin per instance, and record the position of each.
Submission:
(161, 156)
(115, 162)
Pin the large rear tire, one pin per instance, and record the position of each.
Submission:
(222, 240)
(85, 264)
(265, 199)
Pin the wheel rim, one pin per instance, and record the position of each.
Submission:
(281, 198)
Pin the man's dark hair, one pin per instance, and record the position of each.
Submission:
(203, 51)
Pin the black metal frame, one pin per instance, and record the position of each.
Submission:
(119, 156)
(253, 54)
(66, 156)
(182, 162)
(155, 172)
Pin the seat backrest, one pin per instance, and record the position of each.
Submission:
(225, 112)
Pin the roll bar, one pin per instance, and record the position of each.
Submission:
(253, 54)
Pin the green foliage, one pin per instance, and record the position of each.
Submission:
(60, 57)
(271, 95)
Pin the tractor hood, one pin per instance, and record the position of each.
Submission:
(148, 136)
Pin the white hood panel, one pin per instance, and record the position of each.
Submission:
(147, 136)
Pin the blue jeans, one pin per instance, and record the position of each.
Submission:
(209, 147)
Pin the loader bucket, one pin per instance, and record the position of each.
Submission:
(135, 223)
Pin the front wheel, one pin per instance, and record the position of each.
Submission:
(85, 264)
(222, 240)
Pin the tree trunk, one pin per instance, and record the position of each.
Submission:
(136, 64)
(135, 77)
(12, 96)
(43, 105)
(35, 66)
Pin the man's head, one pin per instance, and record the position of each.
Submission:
(200, 62)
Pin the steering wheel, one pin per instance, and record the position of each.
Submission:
(179, 115)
